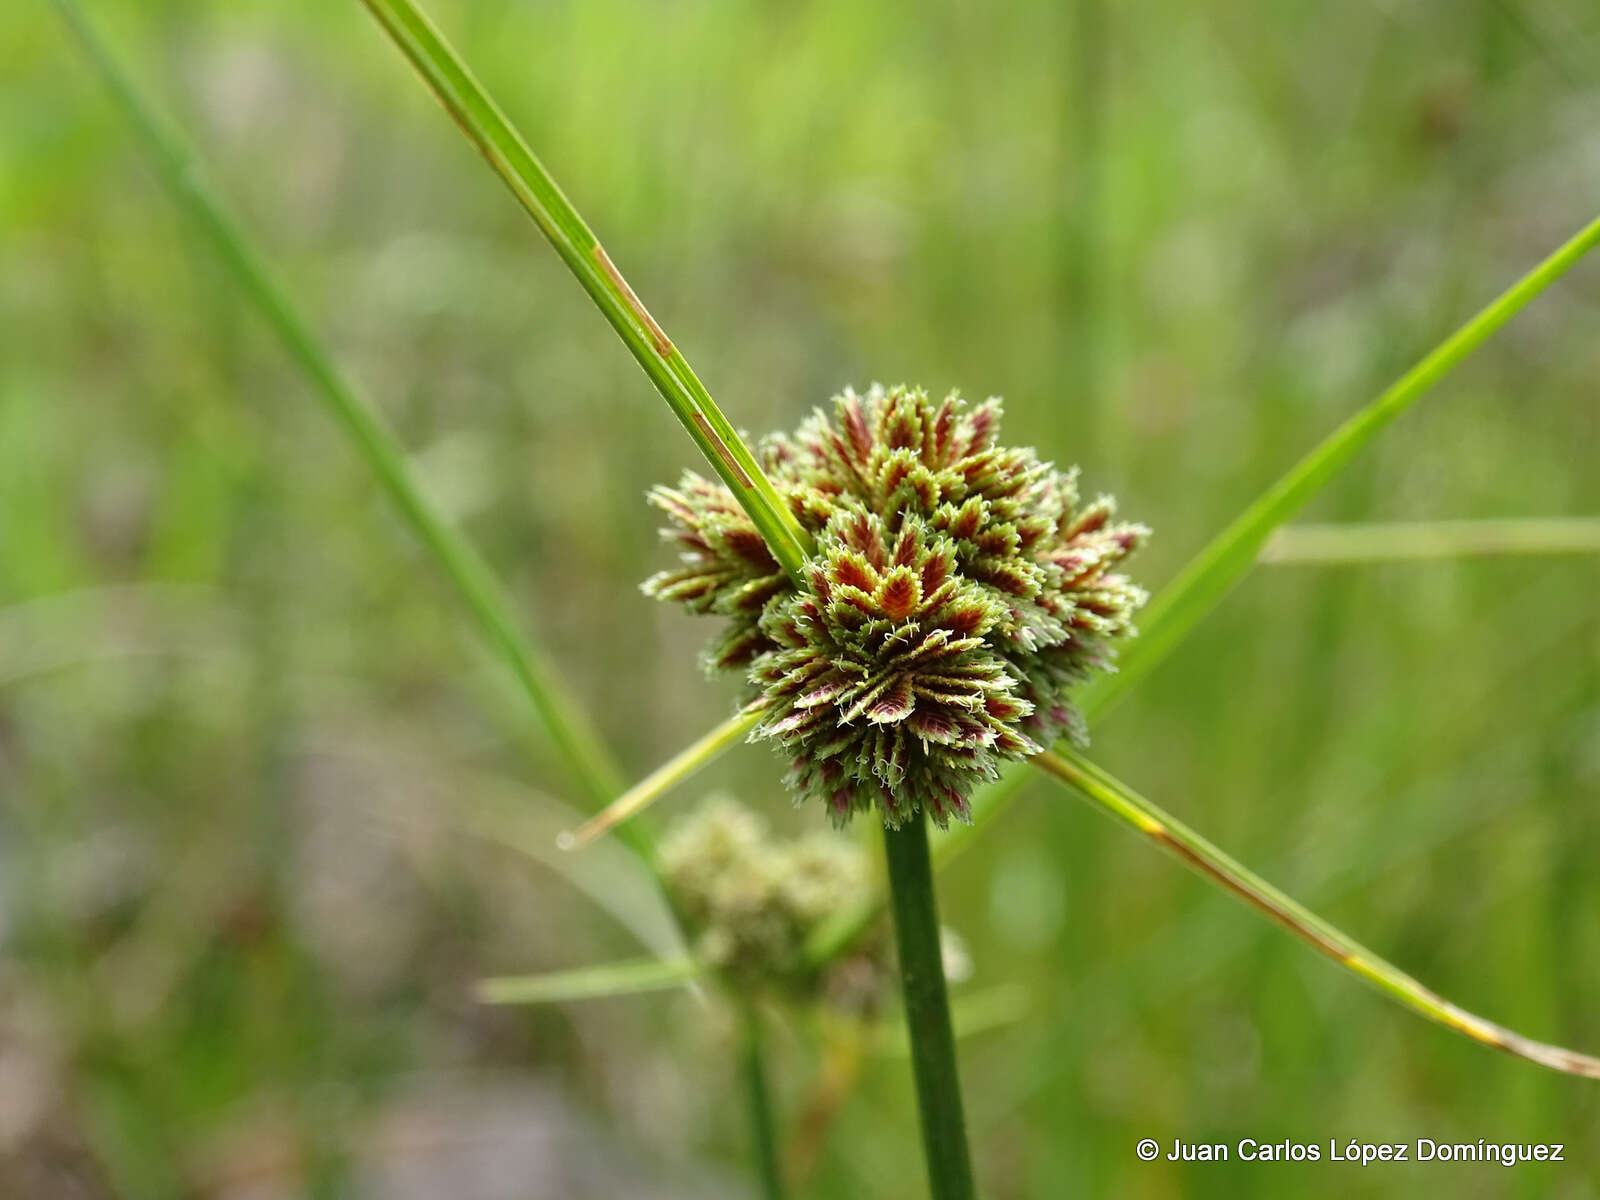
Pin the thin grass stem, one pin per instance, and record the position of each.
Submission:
(569, 732)
(631, 977)
(1212, 573)
(664, 778)
(488, 128)
(1123, 803)
(1422, 541)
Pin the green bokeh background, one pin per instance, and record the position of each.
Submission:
(241, 717)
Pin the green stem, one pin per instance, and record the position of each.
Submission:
(1122, 802)
(1416, 541)
(665, 777)
(1088, 104)
(570, 734)
(628, 978)
(933, 1046)
(758, 1096)
(481, 119)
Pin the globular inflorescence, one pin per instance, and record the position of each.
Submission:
(754, 900)
(958, 592)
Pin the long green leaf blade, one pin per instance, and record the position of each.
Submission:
(1123, 803)
(632, 977)
(1422, 541)
(697, 754)
(482, 120)
(570, 734)
(1212, 573)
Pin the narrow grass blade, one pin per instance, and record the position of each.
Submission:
(1402, 541)
(632, 977)
(665, 777)
(489, 129)
(570, 734)
(1127, 806)
(1211, 575)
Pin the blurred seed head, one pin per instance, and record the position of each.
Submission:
(753, 900)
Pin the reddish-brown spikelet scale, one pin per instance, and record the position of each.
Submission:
(899, 594)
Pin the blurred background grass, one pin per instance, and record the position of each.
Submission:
(242, 720)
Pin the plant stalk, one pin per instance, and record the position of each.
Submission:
(1228, 557)
(630, 977)
(665, 777)
(933, 1046)
(488, 128)
(1419, 541)
(1124, 804)
(569, 732)
(758, 1096)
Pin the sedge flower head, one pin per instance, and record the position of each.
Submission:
(959, 591)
